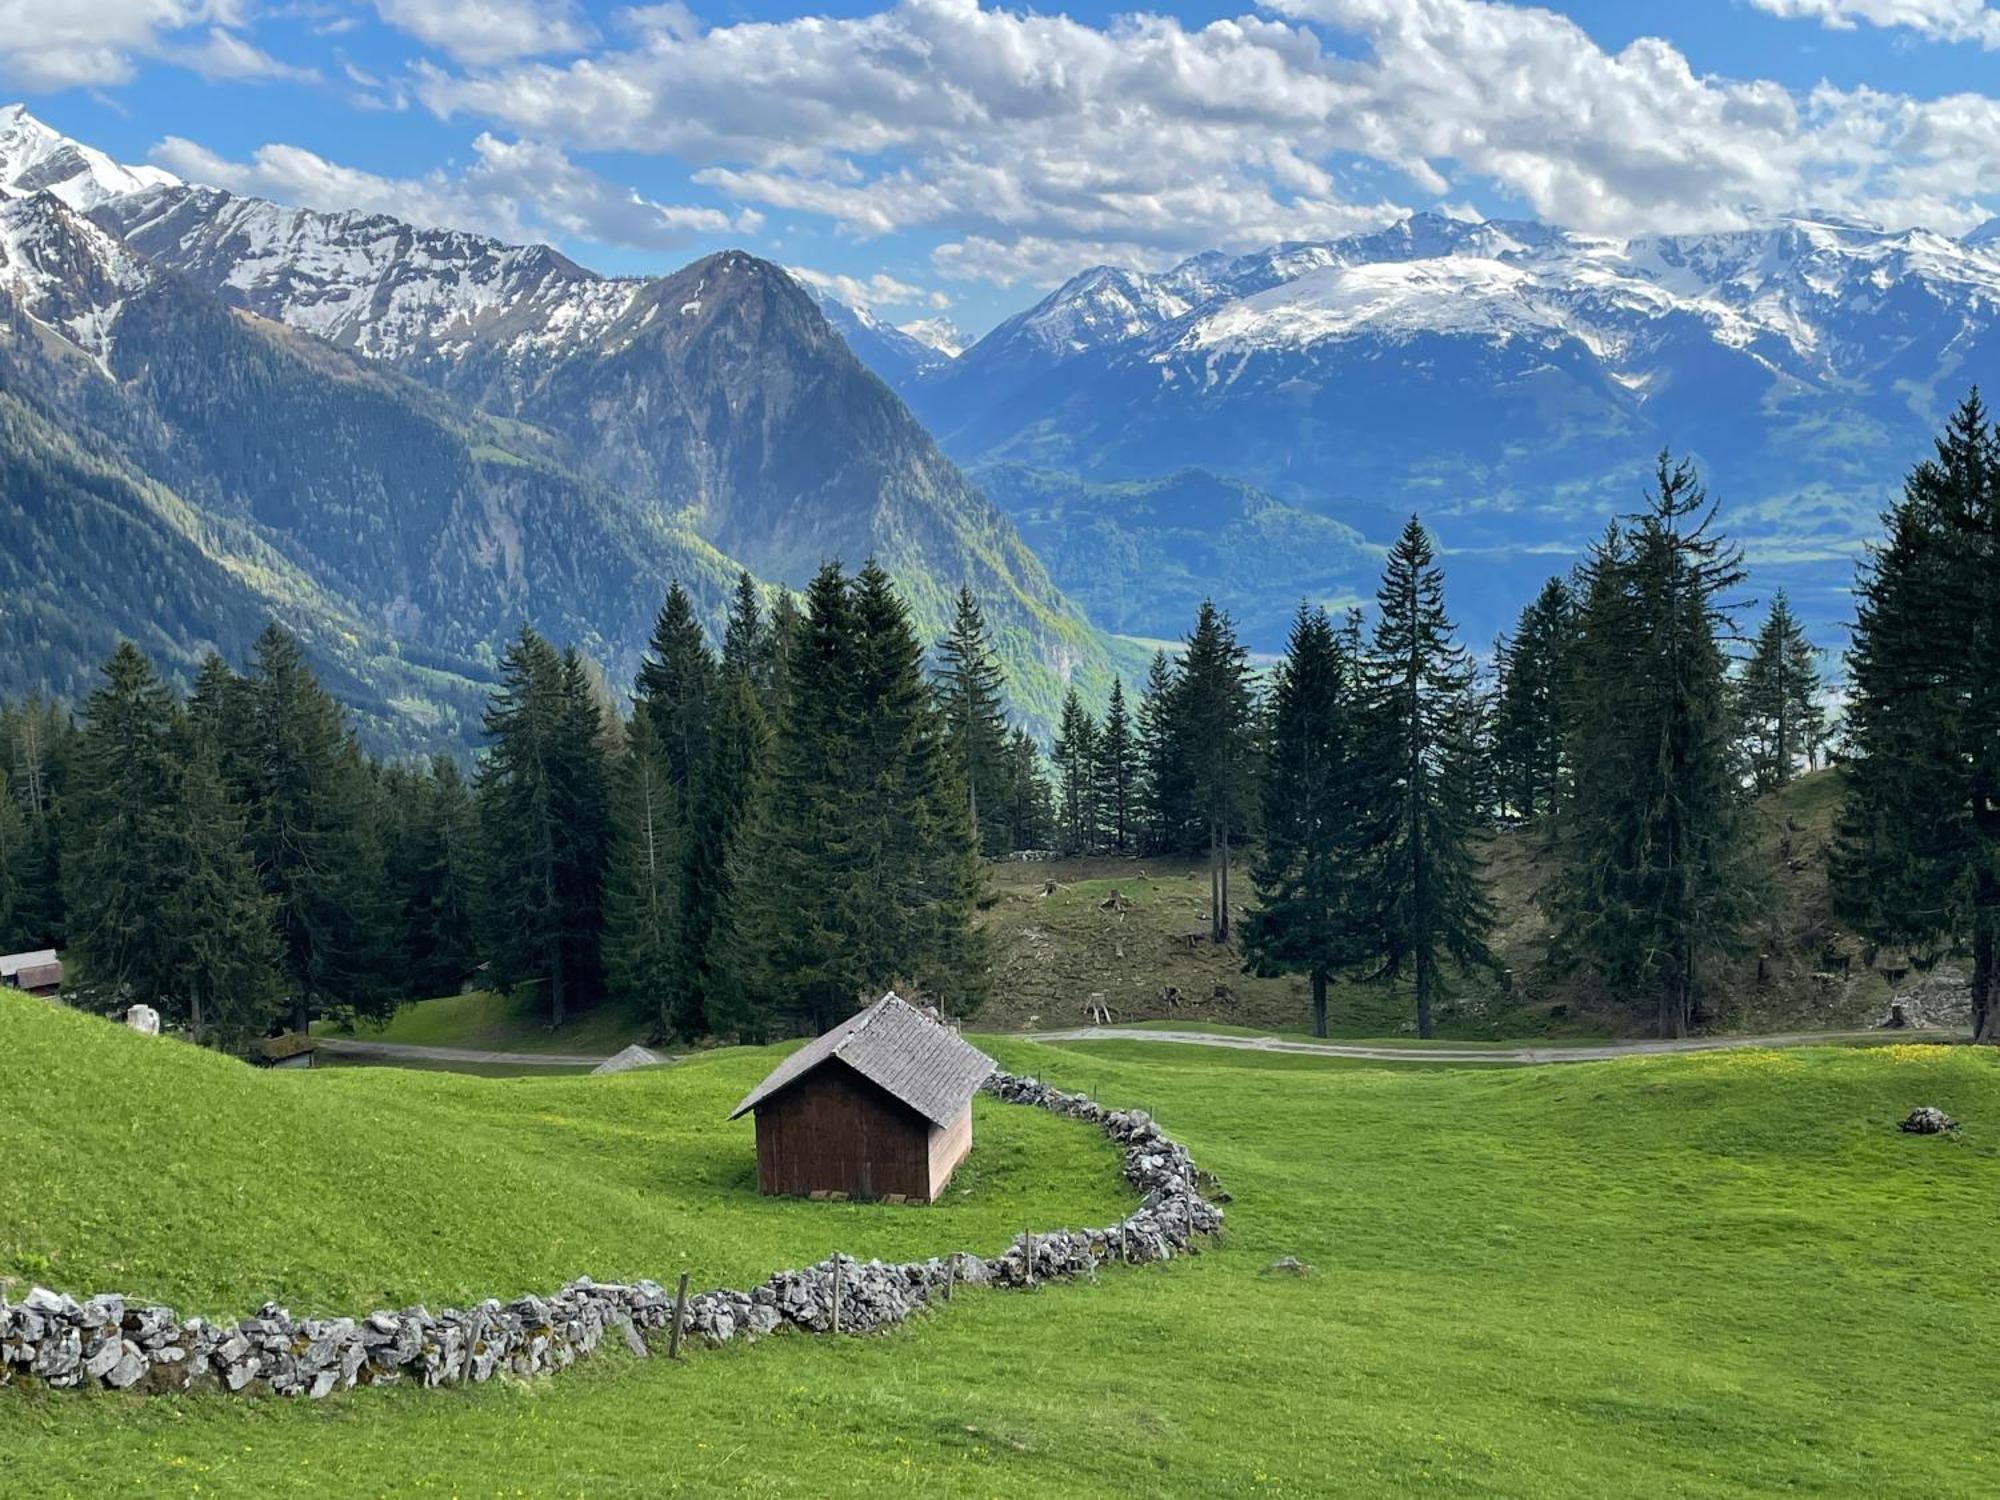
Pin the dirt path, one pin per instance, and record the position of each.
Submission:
(1448, 1053)
(348, 1046)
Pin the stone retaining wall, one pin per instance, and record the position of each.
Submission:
(123, 1343)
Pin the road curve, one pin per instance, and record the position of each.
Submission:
(1447, 1054)
(349, 1046)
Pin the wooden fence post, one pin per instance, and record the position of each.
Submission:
(836, 1291)
(950, 1276)
(1189, 1204)
(680, 1318)
(1031, 1257)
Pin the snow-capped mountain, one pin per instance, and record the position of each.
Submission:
(434, 435)
(1509, 381)
(940, 334)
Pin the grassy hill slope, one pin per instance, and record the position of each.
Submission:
(1715, 1275)
(1053, 950)
(145, 1165)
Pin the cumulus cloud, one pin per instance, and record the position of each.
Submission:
(513, 190)
(225, 54)
(52, 46)
(878, 290)
(1031, 143)
(488, 31)
(1940, 20)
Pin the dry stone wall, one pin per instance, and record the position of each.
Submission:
(126, 1344)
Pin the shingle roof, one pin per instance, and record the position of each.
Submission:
(899, 1049)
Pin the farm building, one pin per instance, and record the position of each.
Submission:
(38, 973)
(879, 1107)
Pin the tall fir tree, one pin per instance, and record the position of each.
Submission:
(431, 871)
(972, 703)
(14, 861)
(314, 834)
(676, 688)
(1074, 756)
(1429, 902)
(1314, 789)
(1653, 876)
(1210, 721)
(739, 749)
(36, 738)
(1778, 699)
(643, 952)
(1030, 810)
(1115, 774)
(797, 869)
(1530, 715)
(1162, 784)
(1918, 857)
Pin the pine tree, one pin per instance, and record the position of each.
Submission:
(36, 739)
(313, 833)
(1778, 700)
(519, 810)
(1530, 714)
(118, 819)
(580, 751)
(970, 692)
(643, 952)
(1114, 773)
(676, 689)
(1918, 859)
(1314, 792)
(798, 867)
(222, 971)
(1429, 901)
(1030, 811)
(432, 874)
(1074, 755)
(738, 750)
(1653, 876)
(1162, 785)
(1210, 720)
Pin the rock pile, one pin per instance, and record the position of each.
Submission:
(1928, 1119)
(121, 1343)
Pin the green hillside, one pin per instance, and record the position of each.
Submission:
(1054, 949)
(1709, 1275)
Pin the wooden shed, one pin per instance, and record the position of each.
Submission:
(38, 973)
(879, 1107)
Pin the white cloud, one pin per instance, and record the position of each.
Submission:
(489, 31)
(1033, 143)
(1940, 20)
(878, 290)
(223, 54)
(513, 190)
(45, 45)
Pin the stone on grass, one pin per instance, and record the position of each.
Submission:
(1928, 1119)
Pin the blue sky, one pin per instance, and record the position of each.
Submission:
(944, 157)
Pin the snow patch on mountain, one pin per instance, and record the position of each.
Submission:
(34, 158)
(940, 334)
(62, 270)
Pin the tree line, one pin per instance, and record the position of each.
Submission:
(769, 828)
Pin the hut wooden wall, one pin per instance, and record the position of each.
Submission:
(834, 1131)
(947, 1150)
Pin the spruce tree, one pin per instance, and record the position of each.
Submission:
(1162, 784)
(1530, 714)
(222, 974)
(739, 747)
(1030, 813)
(1653, 875)
(796, 874)
(581, 762)
(431, 868)
(520, 810)
(1314, 790)
(1074, 756)
(643, 953)
(1115, 773)
(1782, 721)
(313, 833)
(1210, 722)
(971, 700)
(1918, 859)
(1429, 901)
(14, 862)
(36, 739)
(676, 689)
(118, 818)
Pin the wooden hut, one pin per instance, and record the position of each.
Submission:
(38, 973)
(879, 1107)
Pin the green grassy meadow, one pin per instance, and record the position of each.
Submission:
(500, 1022)
(1720, 1274)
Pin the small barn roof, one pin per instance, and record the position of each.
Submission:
(12, 963)
(39, 977)
(899, 1049)
(289, 1044)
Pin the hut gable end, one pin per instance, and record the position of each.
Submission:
(901, 1051)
